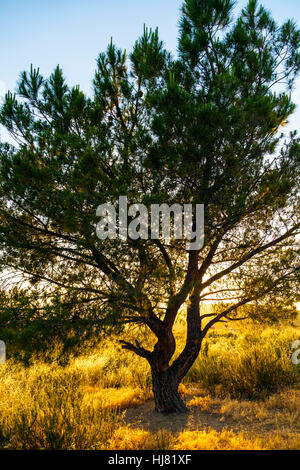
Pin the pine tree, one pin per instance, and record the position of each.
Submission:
(202, 128)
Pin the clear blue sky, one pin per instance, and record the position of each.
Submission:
(73, 32)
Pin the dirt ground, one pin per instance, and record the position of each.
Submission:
(145, 417)
(278, 413)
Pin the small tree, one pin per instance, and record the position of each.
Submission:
(198, 129)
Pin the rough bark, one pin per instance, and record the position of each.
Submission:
(165, 389)
(166, 378)
(166, 381)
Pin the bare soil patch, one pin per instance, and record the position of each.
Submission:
(259, 418)
(145, 417)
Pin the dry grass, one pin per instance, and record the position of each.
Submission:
(116, 399)
(251, 363)
(82, 405)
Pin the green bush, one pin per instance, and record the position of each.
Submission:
(249, 364)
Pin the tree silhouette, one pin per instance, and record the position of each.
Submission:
(198, 129)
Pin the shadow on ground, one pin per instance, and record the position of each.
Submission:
(145, 417)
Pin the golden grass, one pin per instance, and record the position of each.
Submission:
(202, 402)
(80, 405)
(117, 399)
(213, 440)
(126, 438)
(131, 439)
(248, 363)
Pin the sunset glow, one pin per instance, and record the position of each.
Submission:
(149, 228)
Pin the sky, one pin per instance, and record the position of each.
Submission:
(72, 33)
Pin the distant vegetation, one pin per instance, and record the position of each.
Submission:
(80, 405)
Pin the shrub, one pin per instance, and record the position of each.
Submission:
(251, 364)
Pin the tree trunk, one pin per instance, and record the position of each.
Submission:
(165, 389)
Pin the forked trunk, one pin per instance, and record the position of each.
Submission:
(166, 396)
